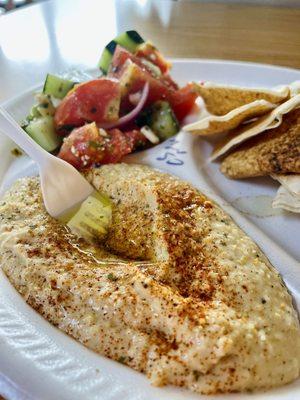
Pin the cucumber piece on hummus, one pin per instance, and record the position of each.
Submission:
(93, 218)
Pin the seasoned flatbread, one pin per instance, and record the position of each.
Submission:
(277, 151)
(221, 99)
(217, 124)
(245, 132)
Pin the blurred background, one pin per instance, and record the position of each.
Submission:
(8, 5)
(37, 37)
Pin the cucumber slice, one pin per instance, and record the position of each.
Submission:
(43, 108)
(24, 123)
(93, 217)
(42, 131)
(56, 86)
(34, 113)
(130, 40)
(162, 120)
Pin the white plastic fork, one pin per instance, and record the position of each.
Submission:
(64, 189)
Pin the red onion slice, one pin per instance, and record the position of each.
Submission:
(133, 113)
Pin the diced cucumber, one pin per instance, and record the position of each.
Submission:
(42, 131)
(24, 123)
(34, 113)
(93, 218)
(56, 86)
(43, 108)
(162, 120)
(105, 60)
(129, 40)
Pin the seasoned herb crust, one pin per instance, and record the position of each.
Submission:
(177, 291)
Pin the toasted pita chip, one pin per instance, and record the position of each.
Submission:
(217, 124)
(294, 88)
(245, 132)
(221, 99)
(277, 151)
(286, 200)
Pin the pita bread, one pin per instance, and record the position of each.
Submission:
(277, 151)
(294, 88)
(286, 200)
(290, 182)
(288, 195)
(217, 124)
(221, 99)
(245, 132)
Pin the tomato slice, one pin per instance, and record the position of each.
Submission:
(96, 100)
(121, 56)
(183, 101)
(136, 139)
(148, 51)
(133, 77)
(87, 146)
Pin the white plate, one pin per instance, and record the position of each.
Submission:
(37, 361)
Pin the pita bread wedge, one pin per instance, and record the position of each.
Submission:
(221, 99)
(290, 182)
(245, 132)
(284, 199)
(276, 151)
(217, 124)
(294, 88)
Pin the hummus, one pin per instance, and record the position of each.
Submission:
(177, 291)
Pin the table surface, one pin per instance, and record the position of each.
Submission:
(57, 35)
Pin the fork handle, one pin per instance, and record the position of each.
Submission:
(12, 129)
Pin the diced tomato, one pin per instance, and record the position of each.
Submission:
(183, 101)
(136, 139)
(87, 146)
(116, 147)
(120, 57)
(96, 100)
(148, 51)
(168, 81)
(133, 80)
(133, 75)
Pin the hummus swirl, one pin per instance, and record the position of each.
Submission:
(177, 290)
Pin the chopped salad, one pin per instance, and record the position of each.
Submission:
(133, 105)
